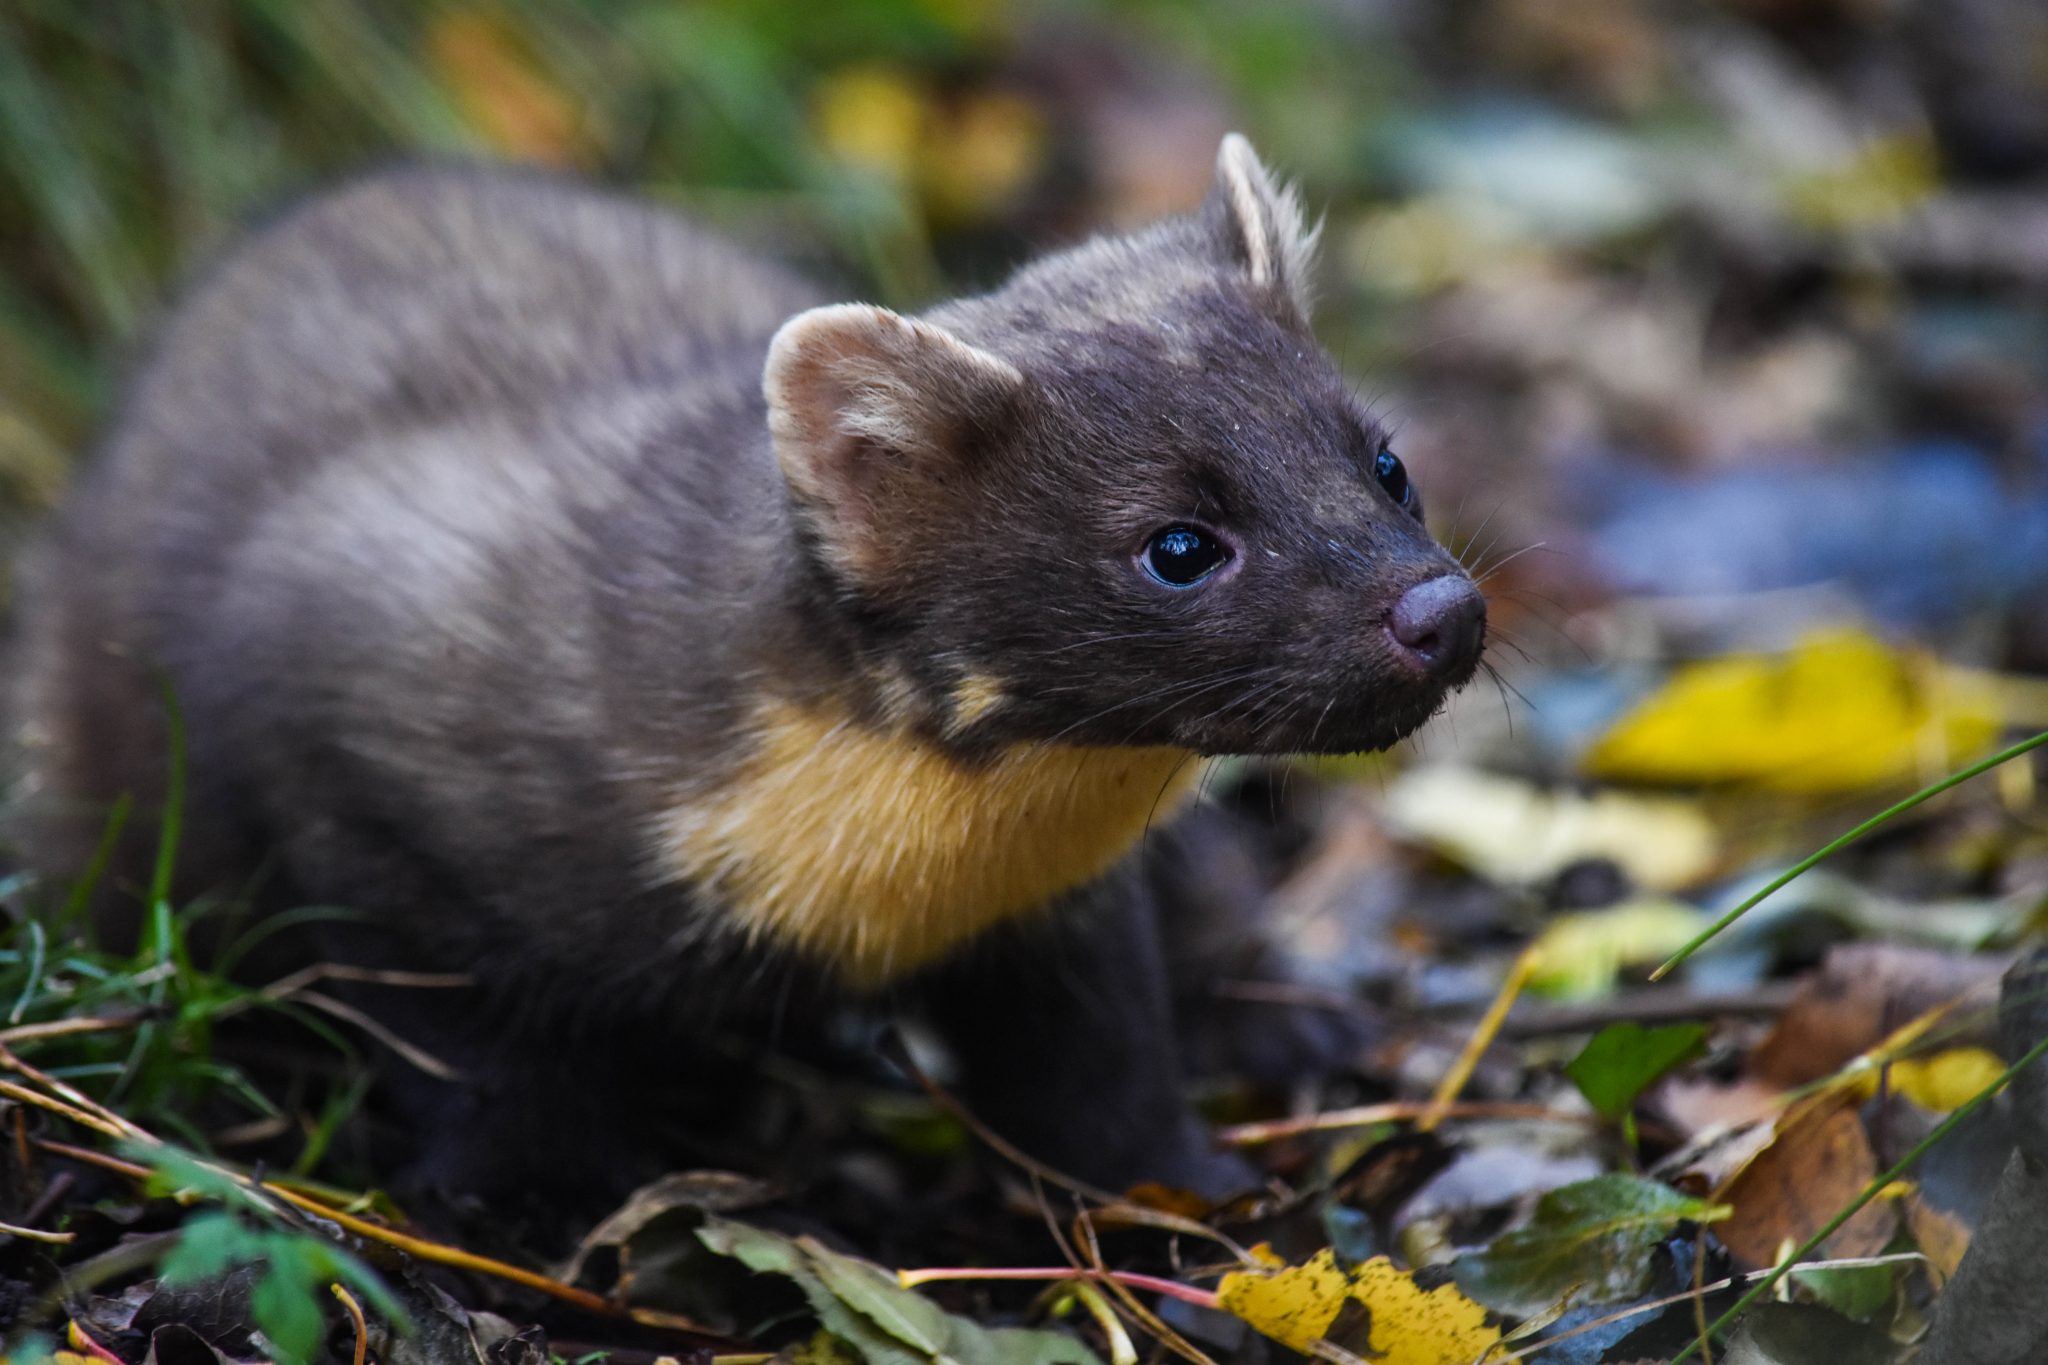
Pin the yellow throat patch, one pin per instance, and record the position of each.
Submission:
(874, 852)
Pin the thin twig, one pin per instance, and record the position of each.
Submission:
(1172, 1289)
(60, 1028)
(355, 1313)
(36, 1234)
(122, 1127)
(1149, 1320)
(995, 1141)
(78, 1116)
(1393, 1111)
(419, 1057)
(1482, 1037)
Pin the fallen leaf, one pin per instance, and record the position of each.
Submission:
(1858, 996)
(1858, 1292)
(1941, 1237)
(1623, 1060)
(1580, 954)
(1404, 1324)
(1842, 711)
(1590, 1240)
(1511, 831)
(1818, 1160)
(864, 1307)
(1945, 1080)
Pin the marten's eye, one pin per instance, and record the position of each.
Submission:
(1182, 556)
(1393, 477)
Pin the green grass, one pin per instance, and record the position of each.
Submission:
(135, 136)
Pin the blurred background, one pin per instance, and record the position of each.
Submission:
(1714, 330)
(1736, 303)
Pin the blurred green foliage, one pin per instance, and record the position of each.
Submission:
(135, 135)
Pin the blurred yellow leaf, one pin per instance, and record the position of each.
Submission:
(963, 159)
(1887, 179)
(1840, 712)
(1511, 831)
(1405, 1324)
(500, 91)
(989, 148)
(1947, 1080)
(872, 117)
(1580, 954)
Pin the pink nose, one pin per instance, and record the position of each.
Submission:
(1440, 624)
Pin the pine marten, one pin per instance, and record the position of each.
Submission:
(601, 613)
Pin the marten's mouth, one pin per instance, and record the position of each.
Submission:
(1331, 725)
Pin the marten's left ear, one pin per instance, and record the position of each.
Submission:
(870, 411)
(1262, 220)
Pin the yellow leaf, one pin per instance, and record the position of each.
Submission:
(501, 92)
(1509, 830)
(1885, 180)
(1840, 712)
(1264, 1254)
(989, 148)
(1946, 1080)
(872, 117)
(1294, 1306)
(1407, 1325)
(1581, 953)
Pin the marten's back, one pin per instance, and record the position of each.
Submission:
(428, 384)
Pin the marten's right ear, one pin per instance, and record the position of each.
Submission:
(868, 410)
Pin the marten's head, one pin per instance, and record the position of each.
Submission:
(1124, 499)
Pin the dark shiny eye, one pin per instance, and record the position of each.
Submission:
(1182, 556)
(1393, 477)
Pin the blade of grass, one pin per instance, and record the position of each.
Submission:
(96, 867)
(37, 141)
(1798, 869)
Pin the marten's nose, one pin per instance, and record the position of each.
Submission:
(1440, 624)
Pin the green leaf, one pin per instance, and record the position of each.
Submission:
(286, 1309)
(207, 1246)
(886, 1324)
(1590, 1241)
(909, 1317)
(1623, 1060)
(1860, 1292)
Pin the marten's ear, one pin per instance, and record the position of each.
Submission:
(869, 410)
(1262, 219)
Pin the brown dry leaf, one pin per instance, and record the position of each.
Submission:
(1407, 1325)
(1818, 1160)
(1698, 1106)
(1862, 993)
(1941, 1237)
(502, 92)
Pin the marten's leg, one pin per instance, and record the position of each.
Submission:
(1066, 1043)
